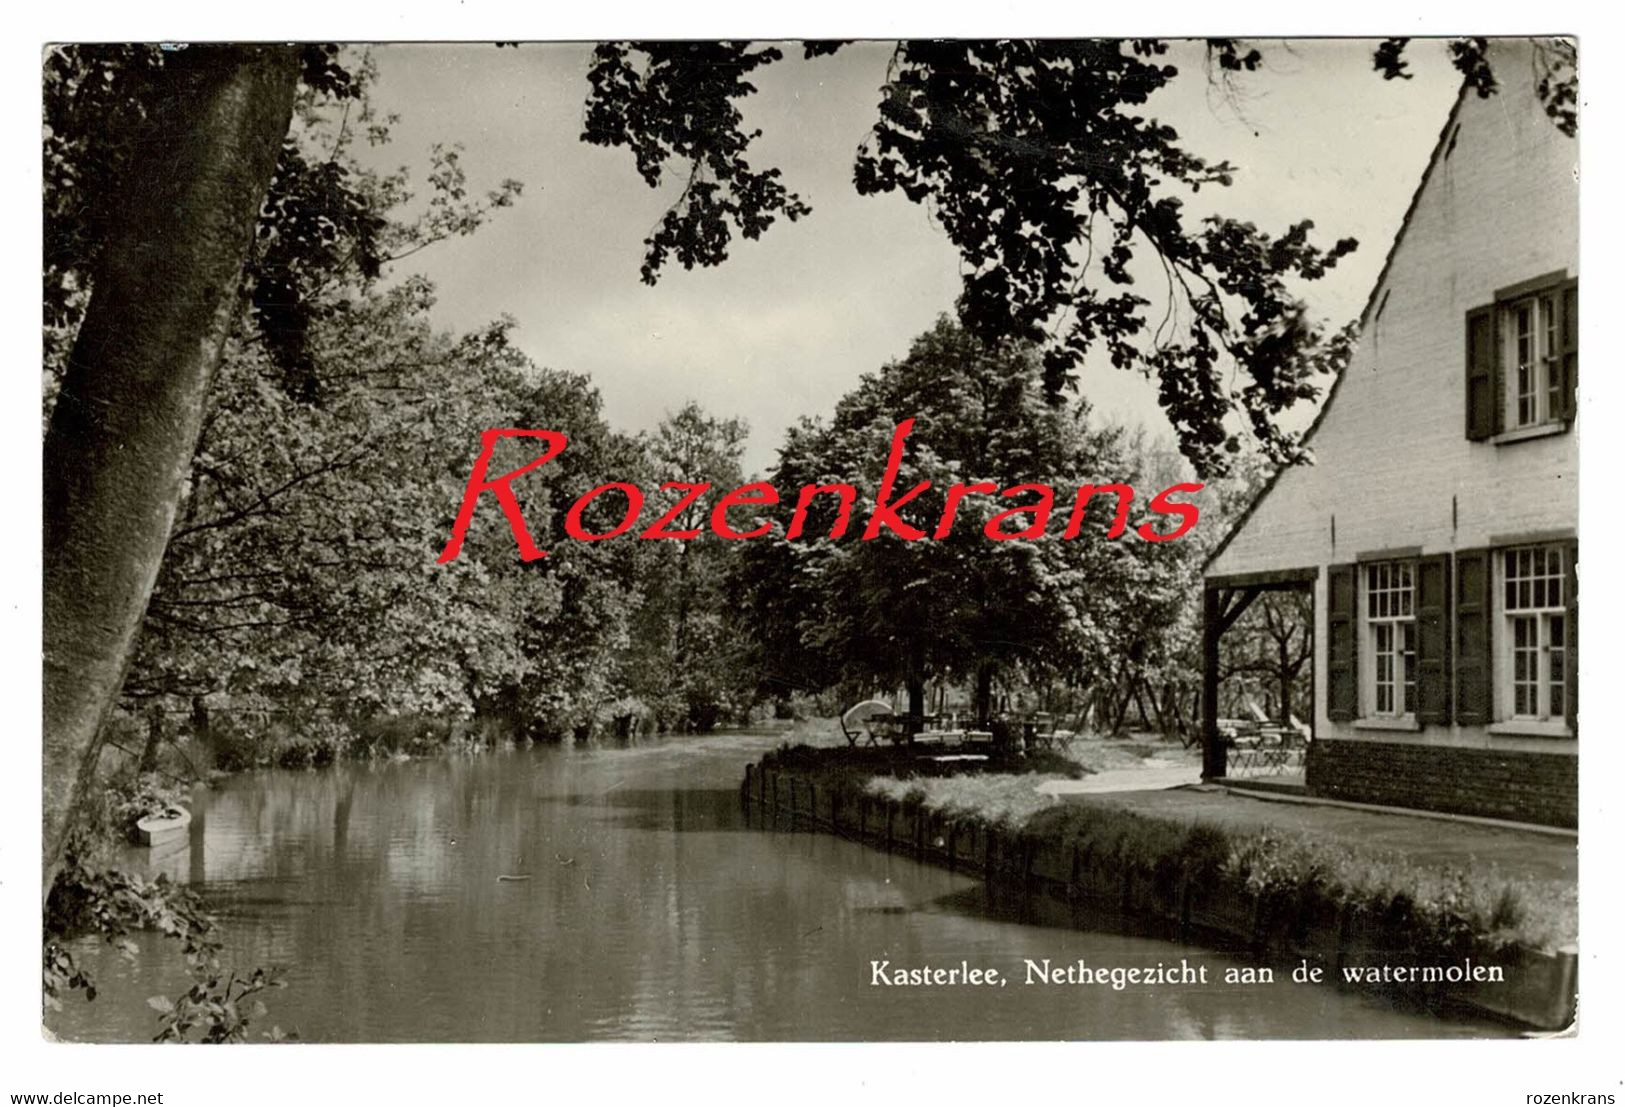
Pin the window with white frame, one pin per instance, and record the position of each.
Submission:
(1534, 658)
(1390, 639)
(1523, 360)
(1532, 360)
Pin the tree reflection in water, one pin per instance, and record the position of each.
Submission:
(653, 911)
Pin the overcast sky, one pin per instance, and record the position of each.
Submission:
(788, 323)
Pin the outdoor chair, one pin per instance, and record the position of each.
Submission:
(1061, 737)
(1040, 731)
(849, 733)
(1261, 750)
(870, 728)
(1243, 754)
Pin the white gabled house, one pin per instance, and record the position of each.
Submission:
(1438, 525)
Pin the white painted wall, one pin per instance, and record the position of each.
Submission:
(1391, 450)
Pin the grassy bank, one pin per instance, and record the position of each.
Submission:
(1443, 908)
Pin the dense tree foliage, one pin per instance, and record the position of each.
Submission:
(1041, 163)
(887, 613)
(325, 223)
(679, 107)
(685, 663)
(300, 581)
(338, 427)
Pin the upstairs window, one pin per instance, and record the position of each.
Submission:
(1532, 361)
(1523, 358)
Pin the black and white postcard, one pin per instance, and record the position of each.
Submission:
(932, 540)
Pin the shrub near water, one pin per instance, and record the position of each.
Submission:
(1427, 907)
(1447, 908)
(1441, 908)
(146, 795)
(249, 742)
(1433, 908)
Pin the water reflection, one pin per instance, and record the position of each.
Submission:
(648, 909)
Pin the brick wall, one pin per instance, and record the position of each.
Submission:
(1504, 784)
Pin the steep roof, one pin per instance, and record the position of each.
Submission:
(1440, 146)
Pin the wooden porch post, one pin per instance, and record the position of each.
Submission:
(1213, 752)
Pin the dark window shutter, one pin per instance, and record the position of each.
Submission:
(1483, 393)
(1571, 593)
(1569, 340)
(1474, 660)
(1433, 639)
(1342, 682)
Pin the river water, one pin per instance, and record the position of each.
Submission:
(653, 910)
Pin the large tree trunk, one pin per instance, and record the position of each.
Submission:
(916, 703)
(984, 694)
(121, 438)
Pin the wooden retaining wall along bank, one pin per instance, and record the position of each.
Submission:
(1539, 989)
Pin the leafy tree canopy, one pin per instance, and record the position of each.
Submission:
(1043, 167)
(327, 228)
(685, 660)
(1557, 80)
(883, 613)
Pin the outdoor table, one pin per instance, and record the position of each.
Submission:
(904, 727)
(882, 726)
